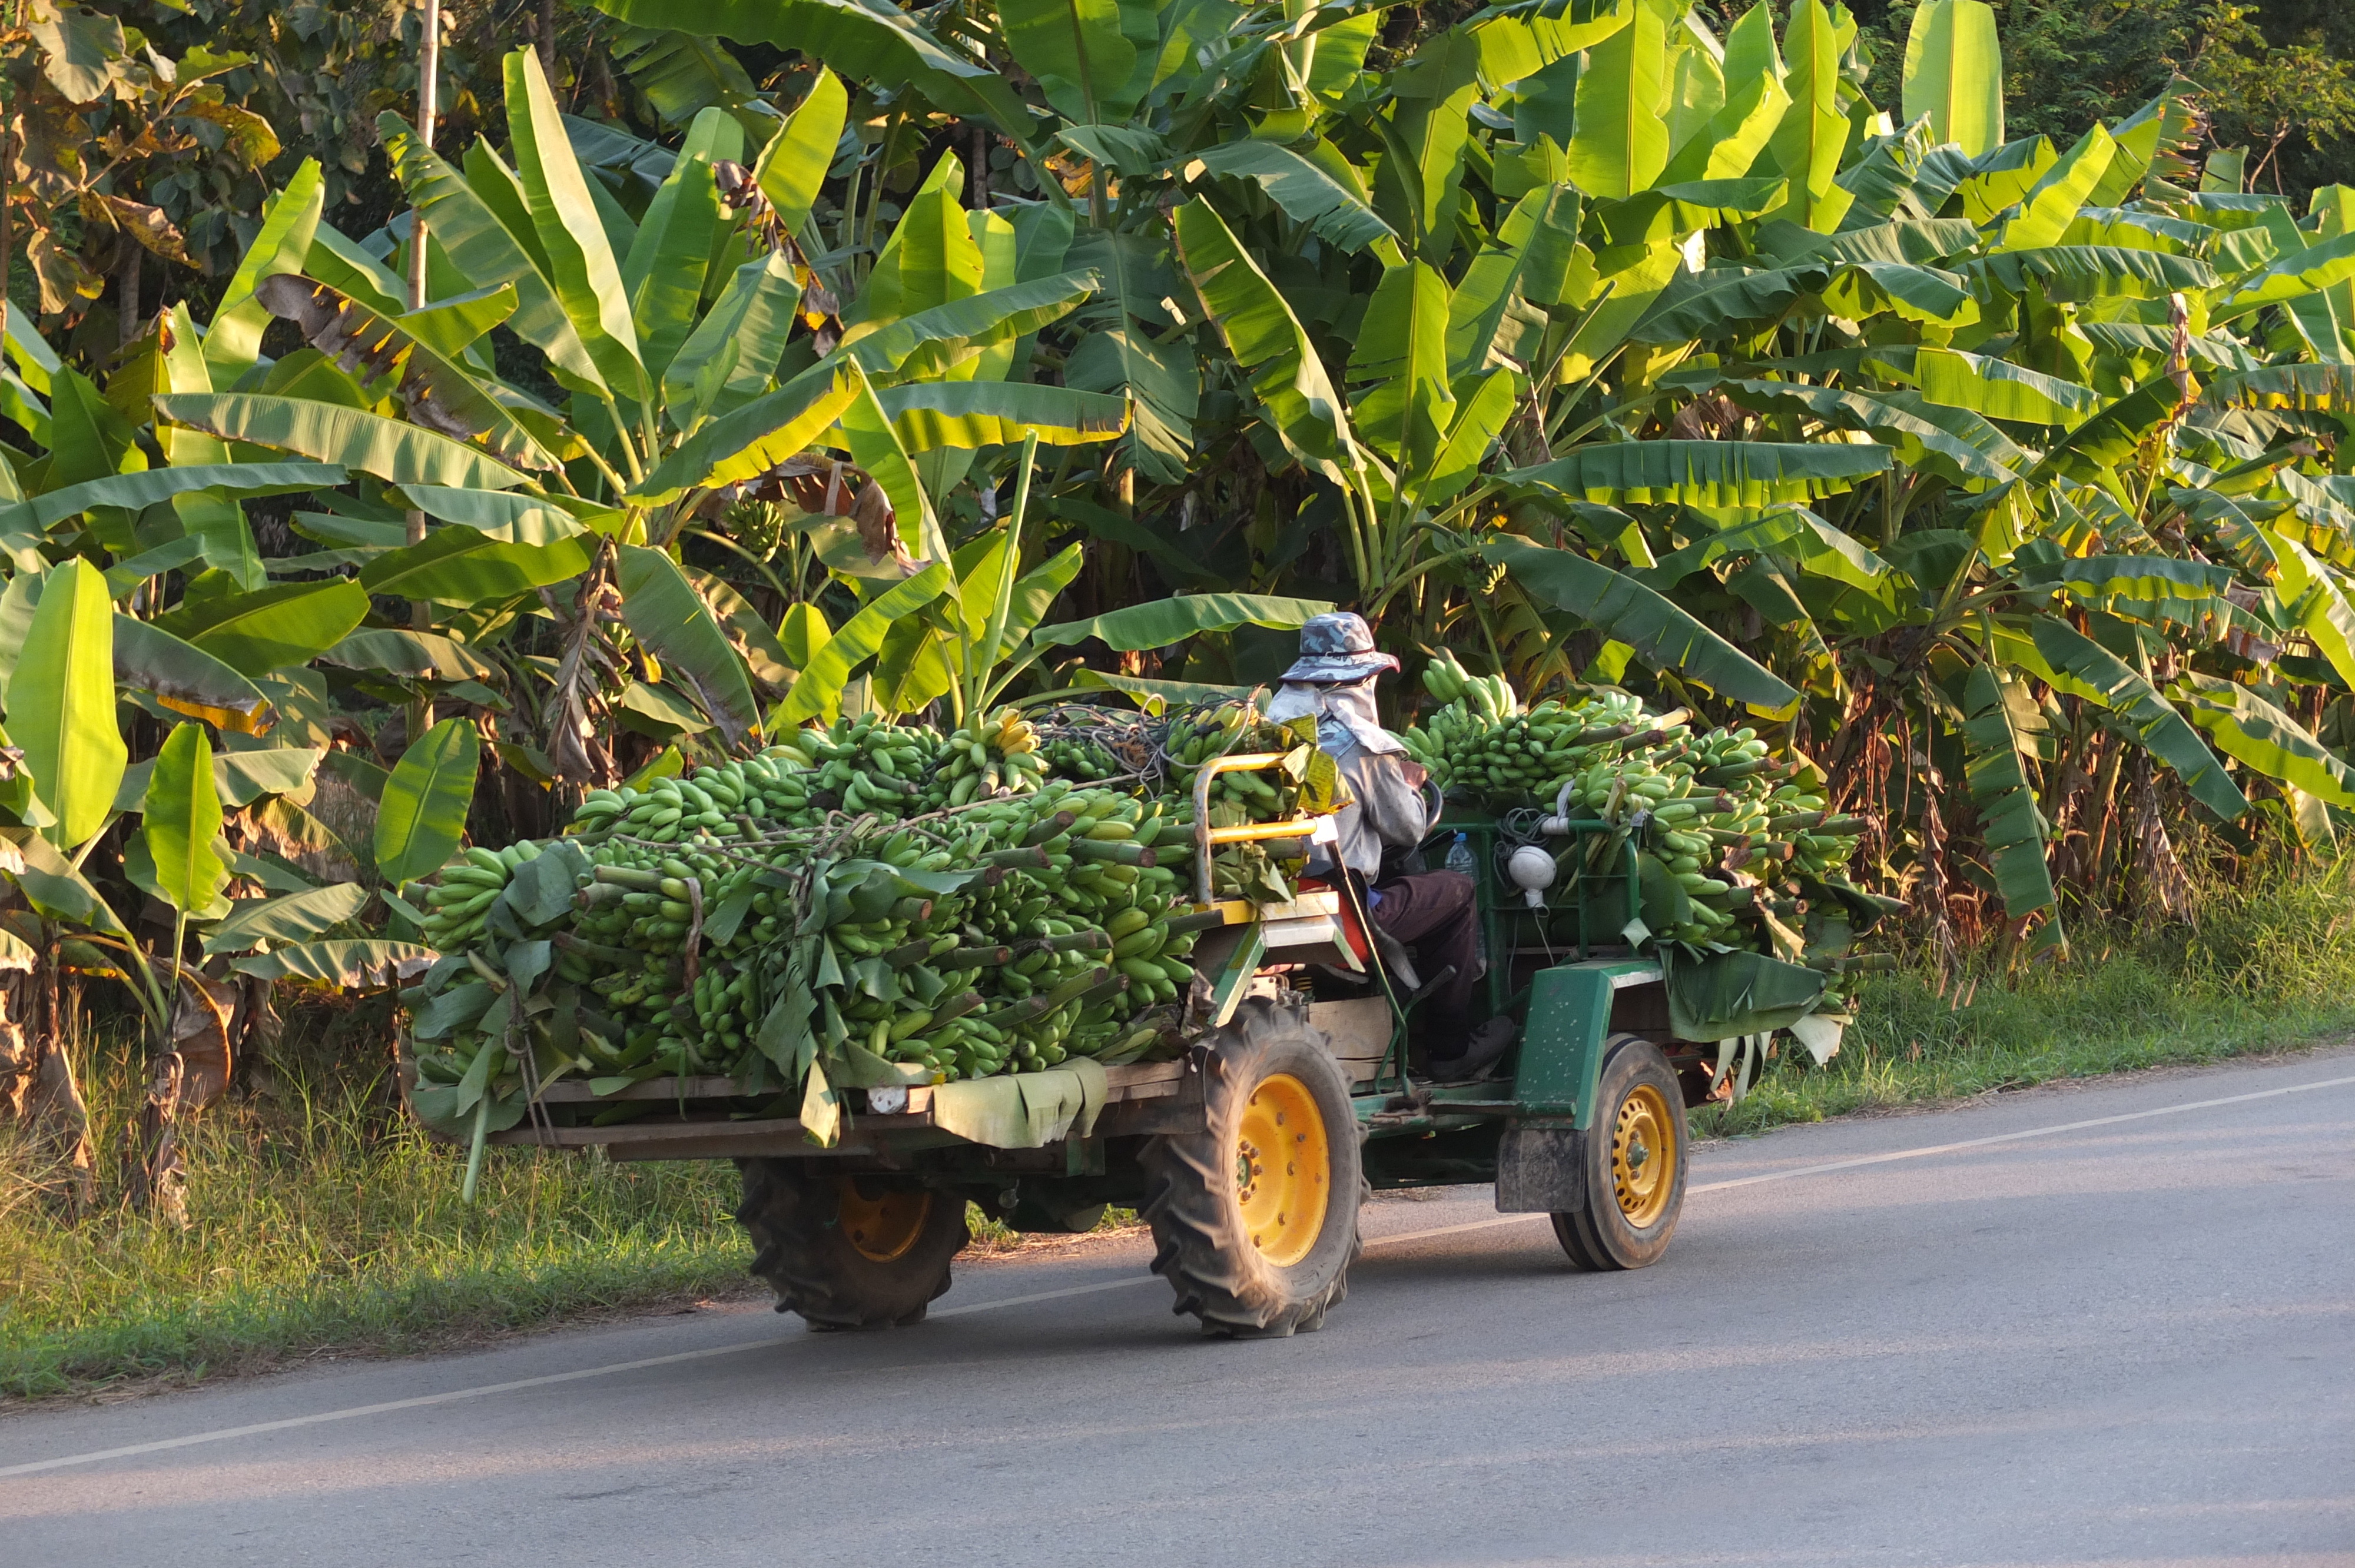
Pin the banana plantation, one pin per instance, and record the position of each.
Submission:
(1061, 356)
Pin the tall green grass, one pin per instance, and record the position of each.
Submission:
(2263, 966)
(322, 1223)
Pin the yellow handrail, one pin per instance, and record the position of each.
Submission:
(1205, 836)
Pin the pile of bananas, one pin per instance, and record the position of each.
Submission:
(1727, 836)
(795, 907)
(1501, 761)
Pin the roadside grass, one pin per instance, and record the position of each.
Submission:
(2263, 967)
(322, 1224)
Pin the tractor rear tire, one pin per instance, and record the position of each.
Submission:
(1635, 1152)
(849, 1251)
(1256, 1218)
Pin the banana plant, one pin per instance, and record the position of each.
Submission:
(703, 362)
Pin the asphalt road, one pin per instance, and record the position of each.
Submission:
(2125, 1343)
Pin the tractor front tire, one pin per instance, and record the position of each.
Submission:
(1255, 1217)
(1635, 1153)
(849, 1251)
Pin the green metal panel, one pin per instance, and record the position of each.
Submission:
(1569, 1020)
(1227, 991)
(1588, 907)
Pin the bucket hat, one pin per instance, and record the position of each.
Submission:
(1335, 647)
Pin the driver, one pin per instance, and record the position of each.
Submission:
(1434, 911)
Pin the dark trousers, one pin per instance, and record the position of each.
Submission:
(1434, 913)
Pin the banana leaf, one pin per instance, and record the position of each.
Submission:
(437, 394)
(587, 278)
(233, 337)
(931, 341)
(2069, 661)
(408, 655)
(1627, 611)
(664, 270)
(288, 918)
(1118, 351)
(423, 813)
(255, 634)
(1703, 473)
(731, 355)
(134, 492)
(818, 692)
(2255, 733)
(1301, 407)
(970, 415)
(877, 45)
(488, 252)
(1724, 996)
(667, 615)
(391, 450)
(1919, 442)
(753, 440)
(794, 163)
(1620, 144)
(501, 515)
(2293, 276)
(1092, 61)
(1986, 384)
(343, 966)
(2010, 821)
(1954, 74)
(182, 817)
(2051, 205)
(56, 887)
(1308, 195)
(2311, 388)
(185, 678)
(461, 566)
(2076, 273)
(61, 702)
(1171, 620)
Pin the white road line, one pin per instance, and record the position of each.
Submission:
(353, 1412)
(1900, 1154)
(421, 1402)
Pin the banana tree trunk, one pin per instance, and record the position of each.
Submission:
(37, 1088)
(188, 1072)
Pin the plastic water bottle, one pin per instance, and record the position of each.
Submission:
(1459, 855)
(1460, 858)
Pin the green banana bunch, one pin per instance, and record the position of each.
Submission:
(1081, 760)
(458, 907)
(1490, 697)
(999, 755)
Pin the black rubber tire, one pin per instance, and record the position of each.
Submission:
(800, 1247)
(1193, 1201)
(1599, 1235)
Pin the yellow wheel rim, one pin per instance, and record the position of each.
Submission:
(885, 1226)
(1281, 1170)
(1644, 1155)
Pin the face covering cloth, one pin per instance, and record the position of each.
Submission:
(1346, 720)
